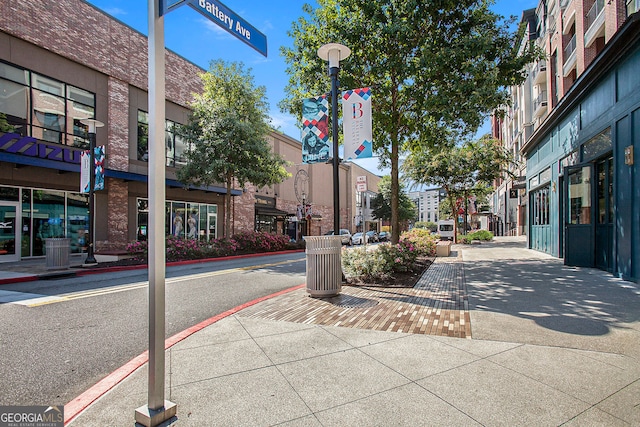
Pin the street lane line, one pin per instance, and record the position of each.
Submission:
(35, 300)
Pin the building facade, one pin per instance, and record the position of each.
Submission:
(70, 61)
(581, 166)
(428, 203)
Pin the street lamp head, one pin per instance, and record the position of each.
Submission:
(334, 53)
(92, 123)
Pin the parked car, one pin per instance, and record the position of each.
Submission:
(372, 237)
(384, 236)
(345, 234)
(357, 239)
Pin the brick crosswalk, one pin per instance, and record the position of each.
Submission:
(437, 305)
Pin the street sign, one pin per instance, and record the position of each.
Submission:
(362, 178)
(361, 187)
(232, 23)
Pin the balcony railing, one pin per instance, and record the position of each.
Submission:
(540, 102)
(570, 48)
(595, 10)
(541, 67)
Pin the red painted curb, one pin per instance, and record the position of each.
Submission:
(22, 279)
(82, 402)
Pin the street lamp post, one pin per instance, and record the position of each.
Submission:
(93, 124)
(334, 53)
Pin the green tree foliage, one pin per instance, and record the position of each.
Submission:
(4, 124)
(468, 169)
(434, 66)
(227, 134)
(381, 204)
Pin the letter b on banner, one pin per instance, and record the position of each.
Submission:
(356, 109)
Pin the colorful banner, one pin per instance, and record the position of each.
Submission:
(85, 168)
(315, 133)
(356, 122)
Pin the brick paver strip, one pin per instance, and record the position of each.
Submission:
(436, 305)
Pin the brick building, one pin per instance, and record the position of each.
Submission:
(65, 61)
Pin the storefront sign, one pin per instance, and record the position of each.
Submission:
(30, 146)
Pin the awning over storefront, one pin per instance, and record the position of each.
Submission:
(267, 210)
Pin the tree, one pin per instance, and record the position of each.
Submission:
(468, 169)
(434, 66)
(381, 204)
(227, 134)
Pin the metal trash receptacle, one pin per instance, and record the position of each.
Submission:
(324, 268)
(57, 253)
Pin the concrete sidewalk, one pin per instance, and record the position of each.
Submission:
(550, 345)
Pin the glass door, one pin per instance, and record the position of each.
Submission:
(9, 232)
(579, 229)
(212, 231)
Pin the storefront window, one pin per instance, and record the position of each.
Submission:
(183, 220)
(580, 196)
(540, 213)
(192, 220)
(78, 222)
(178, 219)
(48, 218)
(175, 146)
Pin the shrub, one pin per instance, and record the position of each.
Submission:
(139, 250)
(179, 249)
(476, 235)
(380, 264)
(422, 240)
(482, 235)
(365, 265)
(260, 241)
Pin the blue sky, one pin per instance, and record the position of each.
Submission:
(199, 40)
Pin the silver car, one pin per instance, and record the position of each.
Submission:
(345, 234)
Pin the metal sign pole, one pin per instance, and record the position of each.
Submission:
(158, 409)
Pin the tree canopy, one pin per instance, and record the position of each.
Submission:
(468, 169)
(227, 134)
(435, 67)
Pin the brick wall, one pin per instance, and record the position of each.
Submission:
(117, 214)
(117, 150)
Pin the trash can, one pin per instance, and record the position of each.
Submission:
(57, 253)
(324, 268)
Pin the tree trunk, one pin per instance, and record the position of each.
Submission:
(454, 214)
(227, 207)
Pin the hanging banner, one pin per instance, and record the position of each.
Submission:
(85, 169)
(356, 122)
(315, 134)
(99, 165)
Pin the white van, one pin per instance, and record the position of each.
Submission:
(446, 229)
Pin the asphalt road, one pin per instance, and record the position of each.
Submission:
(53, 351)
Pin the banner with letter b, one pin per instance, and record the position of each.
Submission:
(356, 123)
